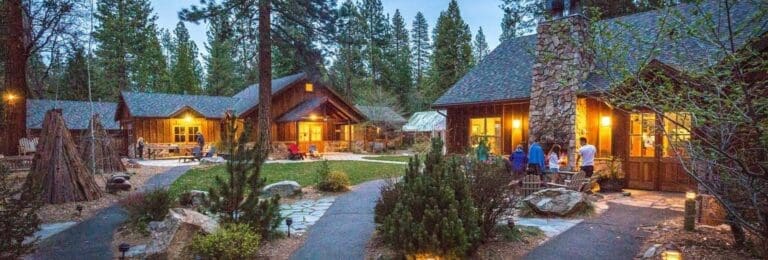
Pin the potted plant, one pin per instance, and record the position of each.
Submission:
(612, 177)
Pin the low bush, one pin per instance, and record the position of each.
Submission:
(147, 206)
(232, 241)
(491, 192)
(335, 182)
(18, 217)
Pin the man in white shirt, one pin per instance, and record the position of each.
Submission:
(587, 155)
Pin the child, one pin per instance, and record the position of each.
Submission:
(554, 161)
(519, 160)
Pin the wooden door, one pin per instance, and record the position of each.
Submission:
(672, 176)
(642, 163)
(311, 133)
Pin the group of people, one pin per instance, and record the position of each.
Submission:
(538, 163)
(140, 144)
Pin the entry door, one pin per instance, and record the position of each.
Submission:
(643, 163)
(677, 135)
(310, 133)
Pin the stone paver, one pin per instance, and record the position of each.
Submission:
(304, 213)
(48, 230)
(611, 235)
(344, 230)
(550, 226)
(92, 238)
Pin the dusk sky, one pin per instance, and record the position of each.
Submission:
(476, 13)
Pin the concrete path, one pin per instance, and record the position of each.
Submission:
(344, 230)
(344, 157)
(92, 238)
(611, 235)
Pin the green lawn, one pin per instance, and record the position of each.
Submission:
(394, 158)
(303, 173)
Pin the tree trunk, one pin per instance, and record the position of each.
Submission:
(15, 95)
(265, 77)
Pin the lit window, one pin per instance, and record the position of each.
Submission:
(309, 87)
(184, 134)
(488, 129)
(677, 130)
(642, 135)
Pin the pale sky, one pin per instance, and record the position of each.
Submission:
(476, 13)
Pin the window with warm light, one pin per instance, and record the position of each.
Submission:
(185, 134)
(604, 137)
(309, 87)
(642, 135)
(310, 132)
(677, 133)
(488, 128)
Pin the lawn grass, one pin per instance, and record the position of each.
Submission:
(393, 158)
(303, 173)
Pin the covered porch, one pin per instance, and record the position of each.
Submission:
(318, 122)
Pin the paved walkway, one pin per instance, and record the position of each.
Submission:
(344, 230)
(92, 238)
(611, 235)
(344, 157)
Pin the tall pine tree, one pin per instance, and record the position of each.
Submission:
(402, 76)
(73, 84)
(452, 56)
(376, 31)
(480, 46)
(185, 71)
(348, 71)
(221, 80)
(422, 48)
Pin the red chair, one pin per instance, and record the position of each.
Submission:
(294, 153)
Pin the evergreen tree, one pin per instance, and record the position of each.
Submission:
(481, 46)
(421, 47)
(348, 70)
(513, 17)
(452, 55)
(376, 34)
(221, 79)
(74, 83)
(402, 76)
(128, 54)
(186, 68)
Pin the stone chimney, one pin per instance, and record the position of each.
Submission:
(562, 64)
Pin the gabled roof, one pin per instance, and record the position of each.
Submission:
(505, 74)
(248, 98)
(426, 121)
(302, 110)
(166, 105)
(381, 114)
(76, 113)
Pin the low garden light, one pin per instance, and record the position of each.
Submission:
(123, 247)
(289, 222)
(516, 124)
(79, 209)
(605, 121)
(671, 255)
(689, 221)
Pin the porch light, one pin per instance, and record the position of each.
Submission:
(605, 121)
(516, 124)
(312, 117)
(10, 97)
(671, 255)
(188, 118)
(309, 87)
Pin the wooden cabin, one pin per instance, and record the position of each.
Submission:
(303, 112)
(382, 130)
(519, 94)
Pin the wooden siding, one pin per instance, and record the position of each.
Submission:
(160, 130)
(457, 125)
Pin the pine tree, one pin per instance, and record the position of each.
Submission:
(402, 76)
(73, 84)
(221, 79)
(452, 55)
(513, 16)
(348, 70)
(480, 46)
(185, 69)
(376, 34)
(421, 47)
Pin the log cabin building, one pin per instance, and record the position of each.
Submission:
(303, 112)
(546, 87)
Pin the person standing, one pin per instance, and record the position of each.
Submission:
(200, 140)
(519, 160)
(587, 156)
(553, 159)
(140, 147)
(535, 159)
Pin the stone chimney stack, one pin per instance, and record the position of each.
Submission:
(562, 64)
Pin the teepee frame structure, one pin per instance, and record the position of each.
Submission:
(97, 149)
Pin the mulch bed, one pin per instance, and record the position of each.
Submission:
(495, 248)
(706, 242)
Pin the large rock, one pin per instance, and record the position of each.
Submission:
(171, 236)
(212, 160)
(283, 188)
(559, 202)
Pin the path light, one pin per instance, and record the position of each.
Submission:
(79, 209)
(289, 222)
(671, 255)
(123, 248)
(690, 211)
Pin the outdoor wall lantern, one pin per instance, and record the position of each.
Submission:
(188, 118)
(313, 117)
(605, 121)
(671, 255)
(10, 97)
(516, 124)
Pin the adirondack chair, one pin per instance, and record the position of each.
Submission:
(531, 183)
(576, 183)
(294, 153)
(27, 145)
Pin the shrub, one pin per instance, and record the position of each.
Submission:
(232, 241)
(147, 206)
(435, 212)
(335, 182)
(421, 146)
(18, 218)
(322, 173)
(390, 195)
(491, 192)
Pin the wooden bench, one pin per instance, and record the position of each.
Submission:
(17, 163)
(577, 182)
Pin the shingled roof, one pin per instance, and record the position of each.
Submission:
(505, 74)
(248, 98)
(167, 105)
(76, 114)
(379, 114)
(426, 121)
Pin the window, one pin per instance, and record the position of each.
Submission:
(310, 132)
(309, 87)
(185, 134)
(486, 128)
(677, 133)
(642, 135)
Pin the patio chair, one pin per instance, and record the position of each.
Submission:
(576, 183)
(531, 183)
(313, 153)
(294, 153)
(27, 145)
(211, 152)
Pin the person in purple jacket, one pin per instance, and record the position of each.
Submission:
(519, 160)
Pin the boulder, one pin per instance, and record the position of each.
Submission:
(559, 202)
(283, 188)
(212, 160)
(198, 197)
(171, 236)
(118, 185)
